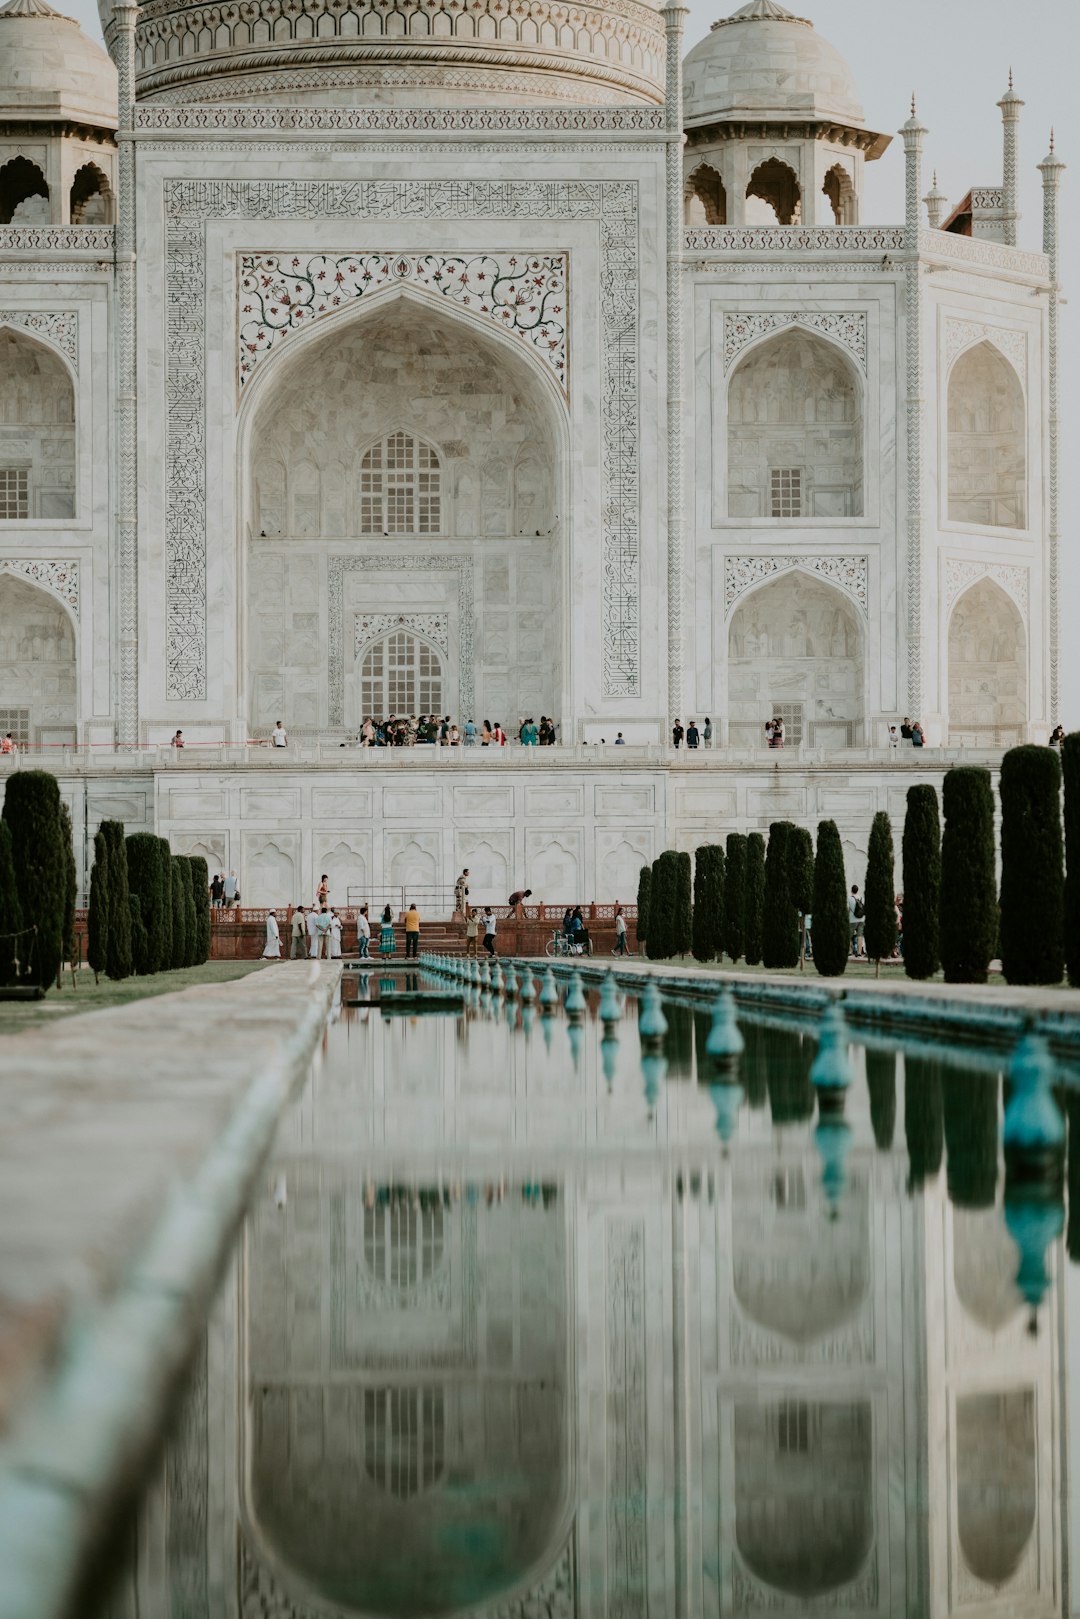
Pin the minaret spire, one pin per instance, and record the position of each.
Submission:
(914, 134)
(1051, 169)
(1010, 105)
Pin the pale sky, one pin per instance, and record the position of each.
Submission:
(955, 55)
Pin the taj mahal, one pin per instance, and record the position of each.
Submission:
(497, 359)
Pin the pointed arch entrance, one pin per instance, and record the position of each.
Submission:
(988, 697)
(38, 671)
(404, 465)
(796, 650)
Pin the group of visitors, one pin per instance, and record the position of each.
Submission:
(857, 920)
(774, 732)
(911, 731)
(692, 736)
(431, 730)
(224, 890)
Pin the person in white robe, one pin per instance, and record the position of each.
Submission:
(313, 942)
(335, 936)
(272, 952)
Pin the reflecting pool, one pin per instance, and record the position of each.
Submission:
(530, 1319)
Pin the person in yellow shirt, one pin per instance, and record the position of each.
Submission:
(412, 932)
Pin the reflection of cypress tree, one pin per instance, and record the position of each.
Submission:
(702, 1025)
(755, 1064)
(881, 1079)
(679, 1039)
(1072, 1236)
(791, 1095)
(922, 1118)
(970, 1105)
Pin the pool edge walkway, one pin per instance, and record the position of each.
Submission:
(132, 1139)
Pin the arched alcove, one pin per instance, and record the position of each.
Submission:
(996, 1481)
(988, 703)
(804, 1515)
(269, 875)
(984, 1267)
(24, 194)
(413, 869)
(406, 461)
(840, 190)
(706, 198)
(37, 431)
(795, 650)
(38, 678)
(775, 184)
(91, 199)
(795, 430)
(987, 478)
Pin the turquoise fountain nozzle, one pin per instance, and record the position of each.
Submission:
(831, 1073)
(652, 1024)
(575, 1034)
(510, 982)
(528, 1018)
(547, 1023)
(609, 1056)
(1033, 1134)
(724, 1042)
(610, 1004)
(654, 1067)
(575, 998)
(496, 978)
(832, 1137)
(549, 995)
(726, 1099)
(1035, 1222)
(528, 985)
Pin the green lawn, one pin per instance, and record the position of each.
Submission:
(91, 997)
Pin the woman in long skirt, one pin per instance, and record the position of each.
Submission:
(272, 951)
(386, 933)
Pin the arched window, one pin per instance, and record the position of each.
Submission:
(987, 463)
(91, 199)
(404, 1443)
(777, 185)
(37, 431)
(399, 487)
(706, 199)
(24, 195)
(401, 674)
(841, 194)
(795, 431)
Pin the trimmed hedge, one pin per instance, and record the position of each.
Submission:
(800, 865)
(831, 925)
(708, 902)
(922, 883)
(735, 896)
(1032, 867)
(118, 951)
(12, 946)
(71, 883)
(755, 898)
(140, 939)
(181, 901)
(969, 912)
(167, 905)
(684, 905)
(780, 931)
(1070, 767)
(879, 929)
(32, 812)
(97, 918)
(644, 888)
(200, 893)
(146, 877)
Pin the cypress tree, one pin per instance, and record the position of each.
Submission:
(71, 883)
(644, 886)
(181, 894)
(880, 900)
(755, 897)
(922, 1118)
(97, 919)
(656, 942)
(735, 896)
(12, 945)
(145, 878)
(165, 854)
(118, 958)
(32, 812)
(1070, 765)
(922, 882)
(200, 893)
(969, 913)
(800, 866)
(1032, 867)
(881, 1082)
(140, 940)
(191, 915)
(780, 933)
(970, 1109)
(832, 926)
(684, 905)
(708, 901)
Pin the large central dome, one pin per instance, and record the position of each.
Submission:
(411, 52)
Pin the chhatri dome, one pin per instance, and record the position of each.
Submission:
(50, 71)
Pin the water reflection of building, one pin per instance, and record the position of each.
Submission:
(507, 1342)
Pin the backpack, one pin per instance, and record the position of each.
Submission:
(860, 910)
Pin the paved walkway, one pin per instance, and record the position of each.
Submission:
(130, 1141)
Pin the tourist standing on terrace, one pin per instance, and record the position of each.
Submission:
(230, 890)
(461, 891)
(272, 948)
(412, 933)
(693, 735)
(472, 930)
(313, 948)
(278, 736)
(677, 733)
(335, 935)
(707, 732)
(217, 889)
(363, 934)
(489, 930)
(386, 933)
(299, 934)
(620, 933)
(324, 923)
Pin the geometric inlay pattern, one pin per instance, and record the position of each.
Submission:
(960, 572)
(62, 578)
(849, 573)
(522, 293)
(848, 329)
(61, 327)
(434, 627)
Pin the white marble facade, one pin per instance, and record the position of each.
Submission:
(382, 416)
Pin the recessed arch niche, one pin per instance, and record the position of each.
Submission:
(988, 697)
(996, 1481)
(804, 1518)
(37, 431)
(795, 430)
(796, 649)
(24, 193)
(340, 424)
(774, 185)
(987, 470)
(408, 1436)
(38, 675)
(706, 197)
